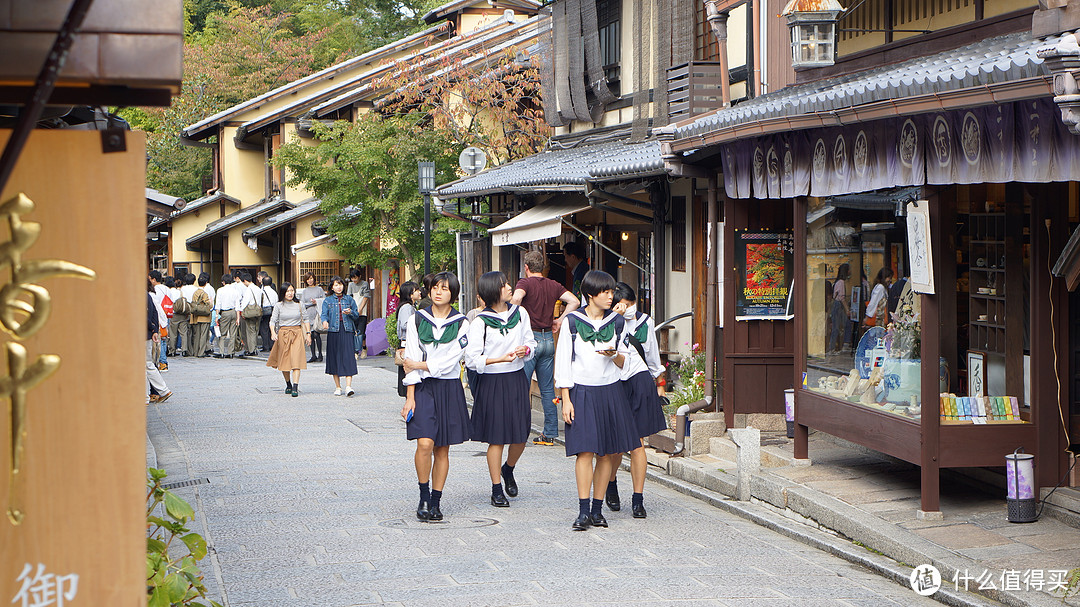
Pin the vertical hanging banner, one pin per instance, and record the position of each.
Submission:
(764, 264)
(73, 268)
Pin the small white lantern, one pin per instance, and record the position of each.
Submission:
(813, 31)
(1020, 484)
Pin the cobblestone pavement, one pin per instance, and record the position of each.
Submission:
(310, 503)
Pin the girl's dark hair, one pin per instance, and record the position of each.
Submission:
(337, 279)
(406, 291)
(451, 281)
(596, 282)
(882, 275)
(285, 286)
(490, 286)
(624, 292)
(843, 272)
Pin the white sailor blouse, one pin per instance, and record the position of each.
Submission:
(493, 335)
(577, 360)
(438, 341)
(640, 327)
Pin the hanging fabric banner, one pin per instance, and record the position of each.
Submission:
(1021, 141)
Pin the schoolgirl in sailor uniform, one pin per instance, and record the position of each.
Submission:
(435, 412)
(639, 374)
(588, 372)
(500, 341)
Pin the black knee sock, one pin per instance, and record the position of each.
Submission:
(425, 492)
(613, 489)
(583, 506)
(637, 499)
(597, 506)
(496, 489)
(436, 497)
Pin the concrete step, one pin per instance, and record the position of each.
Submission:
(1063, 504)
(774, 453)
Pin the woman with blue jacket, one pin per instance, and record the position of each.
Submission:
(339, 314)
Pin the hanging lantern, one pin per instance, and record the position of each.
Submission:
(1020, 483)
(813, 31)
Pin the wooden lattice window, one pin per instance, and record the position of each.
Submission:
(706, 48)
(323, 270)
(678, 233)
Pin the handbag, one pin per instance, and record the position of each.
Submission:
(266, 310)
(252, 310)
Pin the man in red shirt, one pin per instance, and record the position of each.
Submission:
(538, 295)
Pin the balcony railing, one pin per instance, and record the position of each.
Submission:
(693, 88)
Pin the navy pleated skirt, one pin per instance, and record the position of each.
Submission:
(340, 359)
(645, 404)
(440, 413)
(501, 413)
(603, 423)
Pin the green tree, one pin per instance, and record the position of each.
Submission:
(365, 173)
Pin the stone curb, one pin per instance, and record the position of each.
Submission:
(786, 499)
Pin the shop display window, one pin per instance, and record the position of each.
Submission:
(863, 329)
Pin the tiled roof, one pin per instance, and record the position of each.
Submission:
(234, 219)
(198, 203)
(306, 207)
(992, 61)
(562, 170)
(442, 11)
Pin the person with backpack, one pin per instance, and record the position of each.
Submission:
(639, 374)
(160, 293)
(435, 413)
(588, 374)
(500, 341)
(228, 316)
(174, 343)
(202, 308)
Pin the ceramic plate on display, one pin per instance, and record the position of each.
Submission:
(873, 339)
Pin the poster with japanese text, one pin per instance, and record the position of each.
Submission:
(764, 267)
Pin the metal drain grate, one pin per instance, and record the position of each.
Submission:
(182, 484)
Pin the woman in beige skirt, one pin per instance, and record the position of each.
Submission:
(290, 332)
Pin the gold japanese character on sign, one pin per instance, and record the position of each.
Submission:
(21, 318)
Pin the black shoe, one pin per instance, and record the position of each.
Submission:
(423, 511)
(508, 482)
(311, 360)
(319, 359)
(582, 522)
(436, 514)
(598, 520)
(639, 510)
(242, 355)
(223, 356)
(500, 501)
(612, 500)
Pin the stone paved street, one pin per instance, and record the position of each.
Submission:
(310, 503)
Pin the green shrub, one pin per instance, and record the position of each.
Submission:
(171, 579)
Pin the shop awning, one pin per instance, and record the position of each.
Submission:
(538, 223)
(314, 242)
(563, 170)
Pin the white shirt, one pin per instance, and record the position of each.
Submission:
(634, 364)
(271, 298)
(488, 342)
(211, 291)
(174, 294)
(880, 292)
(158, 296)
(588, 367)
(443, 360)
(228, 297)
(249, 294)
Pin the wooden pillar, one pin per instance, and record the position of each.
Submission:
(802, 433)
(660, 195)
(931, 350)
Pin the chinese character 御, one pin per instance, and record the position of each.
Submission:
(44, 589)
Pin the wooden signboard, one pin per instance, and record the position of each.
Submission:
(72, 413)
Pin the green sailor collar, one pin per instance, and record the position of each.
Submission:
(642, 332)
(592, 335)
(491, 319)
(426, 330)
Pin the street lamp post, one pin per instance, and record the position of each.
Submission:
(427, 186)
